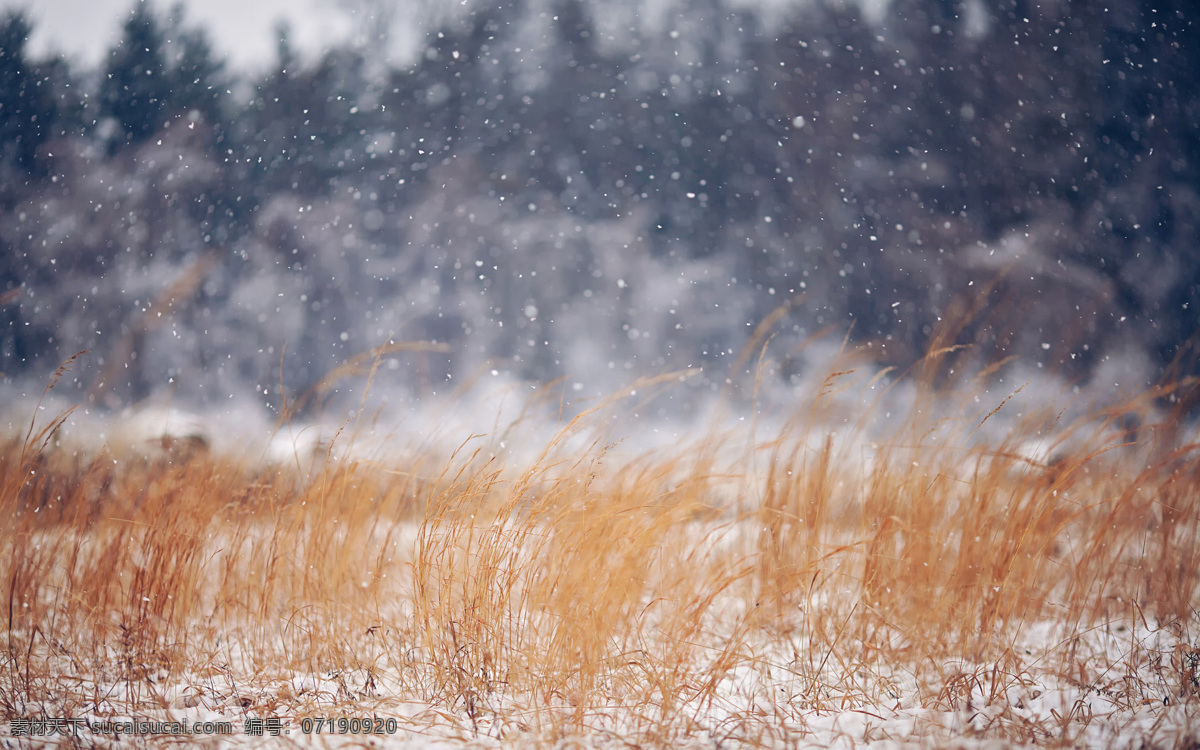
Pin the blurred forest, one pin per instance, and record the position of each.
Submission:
(564, 188)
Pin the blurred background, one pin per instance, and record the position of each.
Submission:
(226, 202)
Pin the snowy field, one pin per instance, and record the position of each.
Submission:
(1120, 682)
(567, 373)
(734, 589)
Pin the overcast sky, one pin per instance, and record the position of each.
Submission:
(241, 29)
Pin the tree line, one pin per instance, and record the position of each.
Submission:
(1022, 175)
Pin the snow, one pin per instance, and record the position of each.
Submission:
(738, 228)
(1121, 683)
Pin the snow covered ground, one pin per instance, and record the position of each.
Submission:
(1124, 682)
(802, 582)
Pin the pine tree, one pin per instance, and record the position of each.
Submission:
(195, 76)
(136, 89)
(27, 111)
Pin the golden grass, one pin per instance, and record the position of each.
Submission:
(776, 590)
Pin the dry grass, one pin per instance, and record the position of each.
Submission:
(935, 586)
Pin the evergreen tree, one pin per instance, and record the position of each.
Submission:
(136, 89)
(27, 110)
(196, 77)
(158, 70)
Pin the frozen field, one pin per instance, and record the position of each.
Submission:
(761, 590)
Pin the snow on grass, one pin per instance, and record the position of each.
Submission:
(790, 583)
